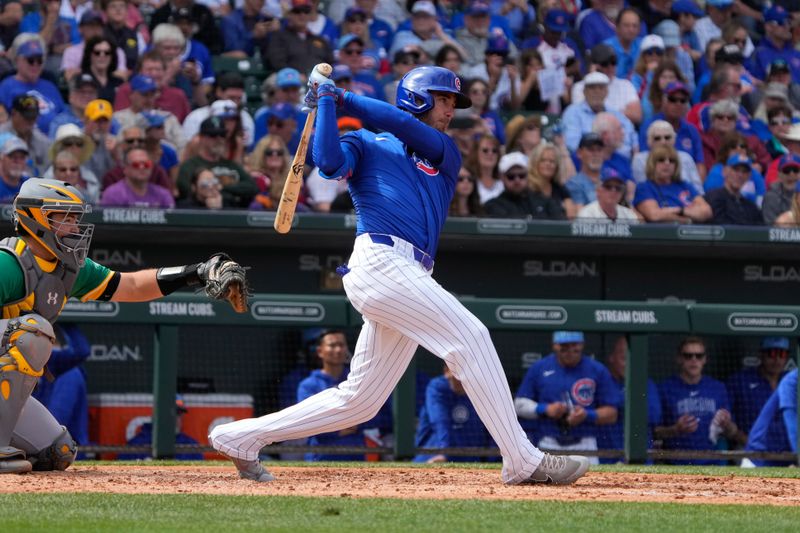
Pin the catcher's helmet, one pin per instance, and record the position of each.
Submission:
(37, 201)
(414, 90)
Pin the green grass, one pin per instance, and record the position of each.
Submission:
(200, 513)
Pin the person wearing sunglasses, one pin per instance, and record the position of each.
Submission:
(71, 138)
(749, 391)
(775, 95)
(101, 62)
(608, 208)
(22, 123)
(661, 133)
(67, 168)
(206, 191)
(28, 53)
(482, 162)
(144, 93)
(374, 56)
(136, 190)
(13, 168)
(695, 407)
(352, 52)
(91, 25)
(295, 45)
(780, 202)
(728, 205)
(238, 187)
(269, 164)
(725, 115)
(517, 199)
(776, 44)
(129, 137)
(207, 30)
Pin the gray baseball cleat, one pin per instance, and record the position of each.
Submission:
(559, 469)
(252, 470)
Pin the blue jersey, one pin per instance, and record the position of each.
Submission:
(318, 381)
(787, 403)
(589, 384)
(748, 391)
(50, 101)
(702, 400)
(678, 194)
(401, 181)
(448, 420)
(763, 435)
(612, 437)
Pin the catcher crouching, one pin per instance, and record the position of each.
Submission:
(40, 269)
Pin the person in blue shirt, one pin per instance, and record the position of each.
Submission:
(776, 44)
(246, 29)
(695, 408)
(401, 181)
(28, 53)
(380, 31)
(66, 396)
(570, 394)
(687, 13)
(601, 23)
(144, 437)
(448, 420)
(787, 403)
(626, 41)
(749, 391)
(13, 166)
(611, 437)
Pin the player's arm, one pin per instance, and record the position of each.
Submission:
(790, 421)
(333, 160)
(606, 414)
(141, 286)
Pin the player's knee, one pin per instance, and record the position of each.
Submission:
(27, 342)
(57, 456)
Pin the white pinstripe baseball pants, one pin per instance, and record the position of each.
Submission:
(403, 307)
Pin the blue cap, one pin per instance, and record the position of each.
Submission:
(775, 343)
(478, 7)
(143, 84)
(776, 14)
(281, 111)
(341, 72)
(738, 159)
(288, 77)
(687, 6)
(353, 12)
(558, 20)
(788, 160)
(719, 3)
(346, 39)
(675, 87)
(566, 337)
(31, 48)
(154, 120)
(608, 173)
(497, 43)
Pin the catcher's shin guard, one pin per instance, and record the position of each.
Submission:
(57, 456)
(25, 347)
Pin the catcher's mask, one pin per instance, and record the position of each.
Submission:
(63, 236)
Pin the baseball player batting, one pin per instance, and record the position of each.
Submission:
(401, 182)
(39, 270)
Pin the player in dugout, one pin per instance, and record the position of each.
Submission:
(40, 269)
(401, 181)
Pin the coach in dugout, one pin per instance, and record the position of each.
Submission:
(570, 394)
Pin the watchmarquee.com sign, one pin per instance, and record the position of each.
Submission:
(763, 322)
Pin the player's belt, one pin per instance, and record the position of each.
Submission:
(419, 256)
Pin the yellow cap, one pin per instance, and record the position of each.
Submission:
(97, 109)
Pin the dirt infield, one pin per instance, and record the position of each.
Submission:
(433, 483)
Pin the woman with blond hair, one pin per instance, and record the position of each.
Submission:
(269, 165)
(790, 218)
(664, 196)
(547, 174)
(661, 132)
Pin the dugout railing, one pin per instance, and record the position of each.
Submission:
(639, 321)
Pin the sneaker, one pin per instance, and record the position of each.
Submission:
(559, 469)
(252, 470)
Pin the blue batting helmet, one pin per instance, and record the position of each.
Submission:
(414, 90)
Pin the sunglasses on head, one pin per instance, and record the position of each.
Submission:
(270, 153)
(141, 164)
(512, 176)
(677, 100)
(35, 60)
(693, 355)
(69, 143)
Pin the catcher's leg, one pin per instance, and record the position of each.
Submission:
(25, 347)
(48, 444)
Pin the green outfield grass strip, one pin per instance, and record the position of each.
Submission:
(26, 513)
(637, 469)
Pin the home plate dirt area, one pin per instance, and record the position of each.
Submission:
(411, 483)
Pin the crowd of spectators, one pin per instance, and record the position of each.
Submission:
(606, 110)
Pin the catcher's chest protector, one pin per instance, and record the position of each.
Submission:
(45, 292)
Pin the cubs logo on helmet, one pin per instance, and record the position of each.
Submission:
(583, 391)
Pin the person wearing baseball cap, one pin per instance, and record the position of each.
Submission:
(686, 13)
(582, 185)
(98, 125)
(779, 195)
(22, 123)
(598, 24)
(554, 46)
(518, 200)
(776, 44)
(28, 54)
(569, 394)
(622, 96)
(719, 13)
(609, 194)
(13, 167)
(238, 187)
(478, 28)
(83, 88)
(206, 30)
(423, 32)
(144, 91)
(728, 205)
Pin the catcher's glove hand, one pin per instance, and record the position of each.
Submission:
(225, 279)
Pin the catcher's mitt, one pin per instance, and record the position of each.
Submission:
(225, 279)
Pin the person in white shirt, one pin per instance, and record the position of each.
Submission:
(622, 94)
(607, 209)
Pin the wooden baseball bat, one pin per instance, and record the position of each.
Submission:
(294, 179)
